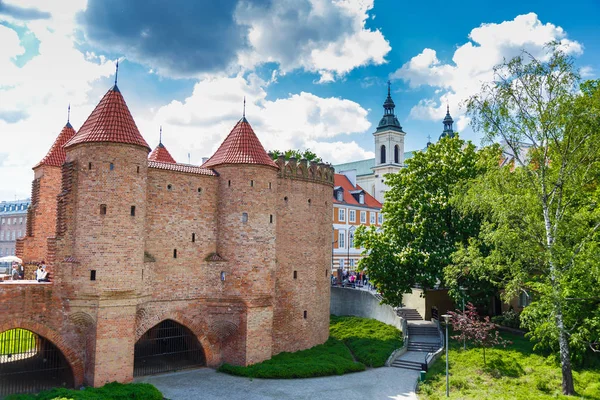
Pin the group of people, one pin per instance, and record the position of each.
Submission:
(350, 278)
(40, 274)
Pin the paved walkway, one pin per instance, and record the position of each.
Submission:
(207, 384)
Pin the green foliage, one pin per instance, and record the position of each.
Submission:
(298, 154)
(16, 341)
(110, 391)
(330, 358)
(512, 373)
(421, 229)
(368, 341)
(510, 319)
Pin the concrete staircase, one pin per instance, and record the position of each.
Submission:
(423, 338)
(409, 314)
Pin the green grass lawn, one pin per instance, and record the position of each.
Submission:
(16, 341)
(514, 372)
(354, 343)
(110, 391)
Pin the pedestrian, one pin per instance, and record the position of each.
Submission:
(15, 272)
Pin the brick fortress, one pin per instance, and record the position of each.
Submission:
(237, 251)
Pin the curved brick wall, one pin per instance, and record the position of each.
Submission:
(360, 303)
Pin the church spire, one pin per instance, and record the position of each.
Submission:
(389, 120)
(448, 121)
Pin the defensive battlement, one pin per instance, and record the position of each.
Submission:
(305, 170)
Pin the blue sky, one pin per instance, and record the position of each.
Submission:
(313, 72)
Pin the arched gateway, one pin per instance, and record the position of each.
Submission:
(30, 363)
(168, 346)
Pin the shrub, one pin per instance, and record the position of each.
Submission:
(110, 391)
(510, 319)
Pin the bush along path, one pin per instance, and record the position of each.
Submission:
(354, 344)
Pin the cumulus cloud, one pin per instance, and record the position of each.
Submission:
(193, 38)
(473, 63)
(199, 124)
(22, 13)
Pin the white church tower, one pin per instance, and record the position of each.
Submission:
(389, 148)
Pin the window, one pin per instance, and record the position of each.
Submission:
(169, 187)
(269, 185)
(372, 218)
(244, 217)
(363, 217)
(382, 154)
(251, 183)
(228, 183)
(352, 262)
(351, 215)
(14, 235)
(112, 166)
(89, 165)
(102, 209)
(138, 169)
(305, 314)
(133, 211)
(361, 198)
(341, 239)
(341, 263)
(397, 154)
(295, 274)
(339, 195)
(193, 237)
(21, 220)
(3, 221)
(174, 253)
(93, 275)
(380, 218)
(199, 190)
(271, 218)
(342, 214)
(15, 221)
(2, 235)
(19, 234)
(350, 241)
(524, 299)
(8, 221)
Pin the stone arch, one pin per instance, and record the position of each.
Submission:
(82, 320)
(73, 357)
(311, 173)
(145, 320)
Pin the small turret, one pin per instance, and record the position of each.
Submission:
(160, 153)
(389, 120)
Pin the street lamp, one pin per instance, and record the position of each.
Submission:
(446, 319)
(350, 242)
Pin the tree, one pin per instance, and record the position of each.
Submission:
(542, 215)
(481, 332)
(298, 154)
(421, 227)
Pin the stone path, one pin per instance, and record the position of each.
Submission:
(207, 384)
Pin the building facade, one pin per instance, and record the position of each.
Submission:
(390, 155)
(13, 224)
(352, 207)
(233, 255)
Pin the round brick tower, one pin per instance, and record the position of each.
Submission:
(246, 233)
(109, 157)
(101, 221)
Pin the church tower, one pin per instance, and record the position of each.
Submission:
(389, 147)
(448, 121)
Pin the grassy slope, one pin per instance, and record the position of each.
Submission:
(24, 343)
(514, 373)
(370, 341)
(110, 391)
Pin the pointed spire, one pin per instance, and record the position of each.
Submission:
(389, 120)
(244, 112)
(448, 121)
(241, 146)
(111, 121)
(389, 88)
(160, 136)
(117, 72)
(69, 116)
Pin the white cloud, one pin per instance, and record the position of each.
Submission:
(200, 123)
(322, 36)
(473, 62)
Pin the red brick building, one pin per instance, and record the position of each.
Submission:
(232, 257)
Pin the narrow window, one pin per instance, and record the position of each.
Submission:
(382, 155)
(244, 217)
(102, 209)
(397, 154)
(285, 199)
(138, 169)
(193, 237)
(93, 275)
(228, 183)
(252, 183)
(89, 165)
(271, 218)
(269, 185)
(174, 253)
(295, 274)
(112, 166)
(199, 190)
(169, 187)
(326, 273)
(309, 202)
(305, 314)
(133, 211)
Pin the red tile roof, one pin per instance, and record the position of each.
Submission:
(161, 154)
(190, 169)
(56, 155)
(110, 121)
(343, 181)
(241, 146)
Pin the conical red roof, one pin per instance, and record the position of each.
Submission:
(241, 146)
(110, 121)
(161, 154)
(56, 155)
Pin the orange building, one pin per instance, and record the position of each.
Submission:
(156, 265)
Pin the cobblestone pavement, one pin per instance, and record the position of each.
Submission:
(207, 384)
